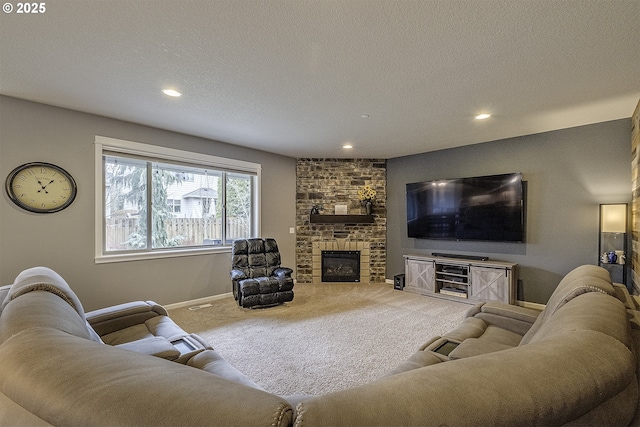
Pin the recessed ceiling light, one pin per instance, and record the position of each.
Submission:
(365, 116)
(483, 116)
(347, 146)
(171, 92)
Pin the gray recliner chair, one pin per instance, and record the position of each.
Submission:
(257, 277)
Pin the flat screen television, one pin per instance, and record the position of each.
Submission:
(486, 208)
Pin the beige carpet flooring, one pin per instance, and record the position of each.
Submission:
(330, 337)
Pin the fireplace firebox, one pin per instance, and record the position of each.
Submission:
(340, 266)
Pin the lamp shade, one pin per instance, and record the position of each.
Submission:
(613, 218)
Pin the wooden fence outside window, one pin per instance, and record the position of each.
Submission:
(193, 231)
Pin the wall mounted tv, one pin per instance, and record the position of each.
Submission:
(487, 208)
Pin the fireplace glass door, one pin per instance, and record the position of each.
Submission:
(340, 266)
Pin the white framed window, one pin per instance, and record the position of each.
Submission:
(174, 206)
(157, 202)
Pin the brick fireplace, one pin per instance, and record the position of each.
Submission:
(331, 182)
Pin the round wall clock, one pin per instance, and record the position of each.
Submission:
(41, 187)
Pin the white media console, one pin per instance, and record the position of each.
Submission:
(461, 279)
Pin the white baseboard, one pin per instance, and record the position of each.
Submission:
(200, 300)
(197, 301)
(526, 304)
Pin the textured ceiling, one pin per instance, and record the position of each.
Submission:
(295, 77)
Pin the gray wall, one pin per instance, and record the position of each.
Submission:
(64, 241)
(568, 173)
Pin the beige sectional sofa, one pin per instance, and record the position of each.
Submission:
(573, 363)
(128, 365)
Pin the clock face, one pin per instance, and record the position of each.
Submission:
(41, 187)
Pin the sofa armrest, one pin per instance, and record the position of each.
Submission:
(511, 311)
(111, 319)
(506, 316)
(156, 346)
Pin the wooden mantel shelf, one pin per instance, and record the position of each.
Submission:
(341, 219)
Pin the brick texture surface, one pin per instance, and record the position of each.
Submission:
(331, 182)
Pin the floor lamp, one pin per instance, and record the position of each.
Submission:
(612, 245)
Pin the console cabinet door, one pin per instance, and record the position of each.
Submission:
(420, 276)
(489, 284)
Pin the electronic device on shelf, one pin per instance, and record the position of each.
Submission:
(472, 257)
(453, 270)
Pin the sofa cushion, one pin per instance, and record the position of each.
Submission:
(592, 311)
(476, 347)
(259, 285)
(493, 339)
(40, 309)
(42, 279)
(47, 280)
(500, 336)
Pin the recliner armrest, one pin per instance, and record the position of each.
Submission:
(511, 311)
(238, 274)
(111, 319)
(510, 317)
(282, 272)
(156, 346)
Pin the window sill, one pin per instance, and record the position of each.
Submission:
(160, 254)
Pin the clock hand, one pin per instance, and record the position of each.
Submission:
(43, 187)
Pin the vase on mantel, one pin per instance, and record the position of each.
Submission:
(368, 206)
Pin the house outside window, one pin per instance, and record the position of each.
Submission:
(174, 206)
(159, 202)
